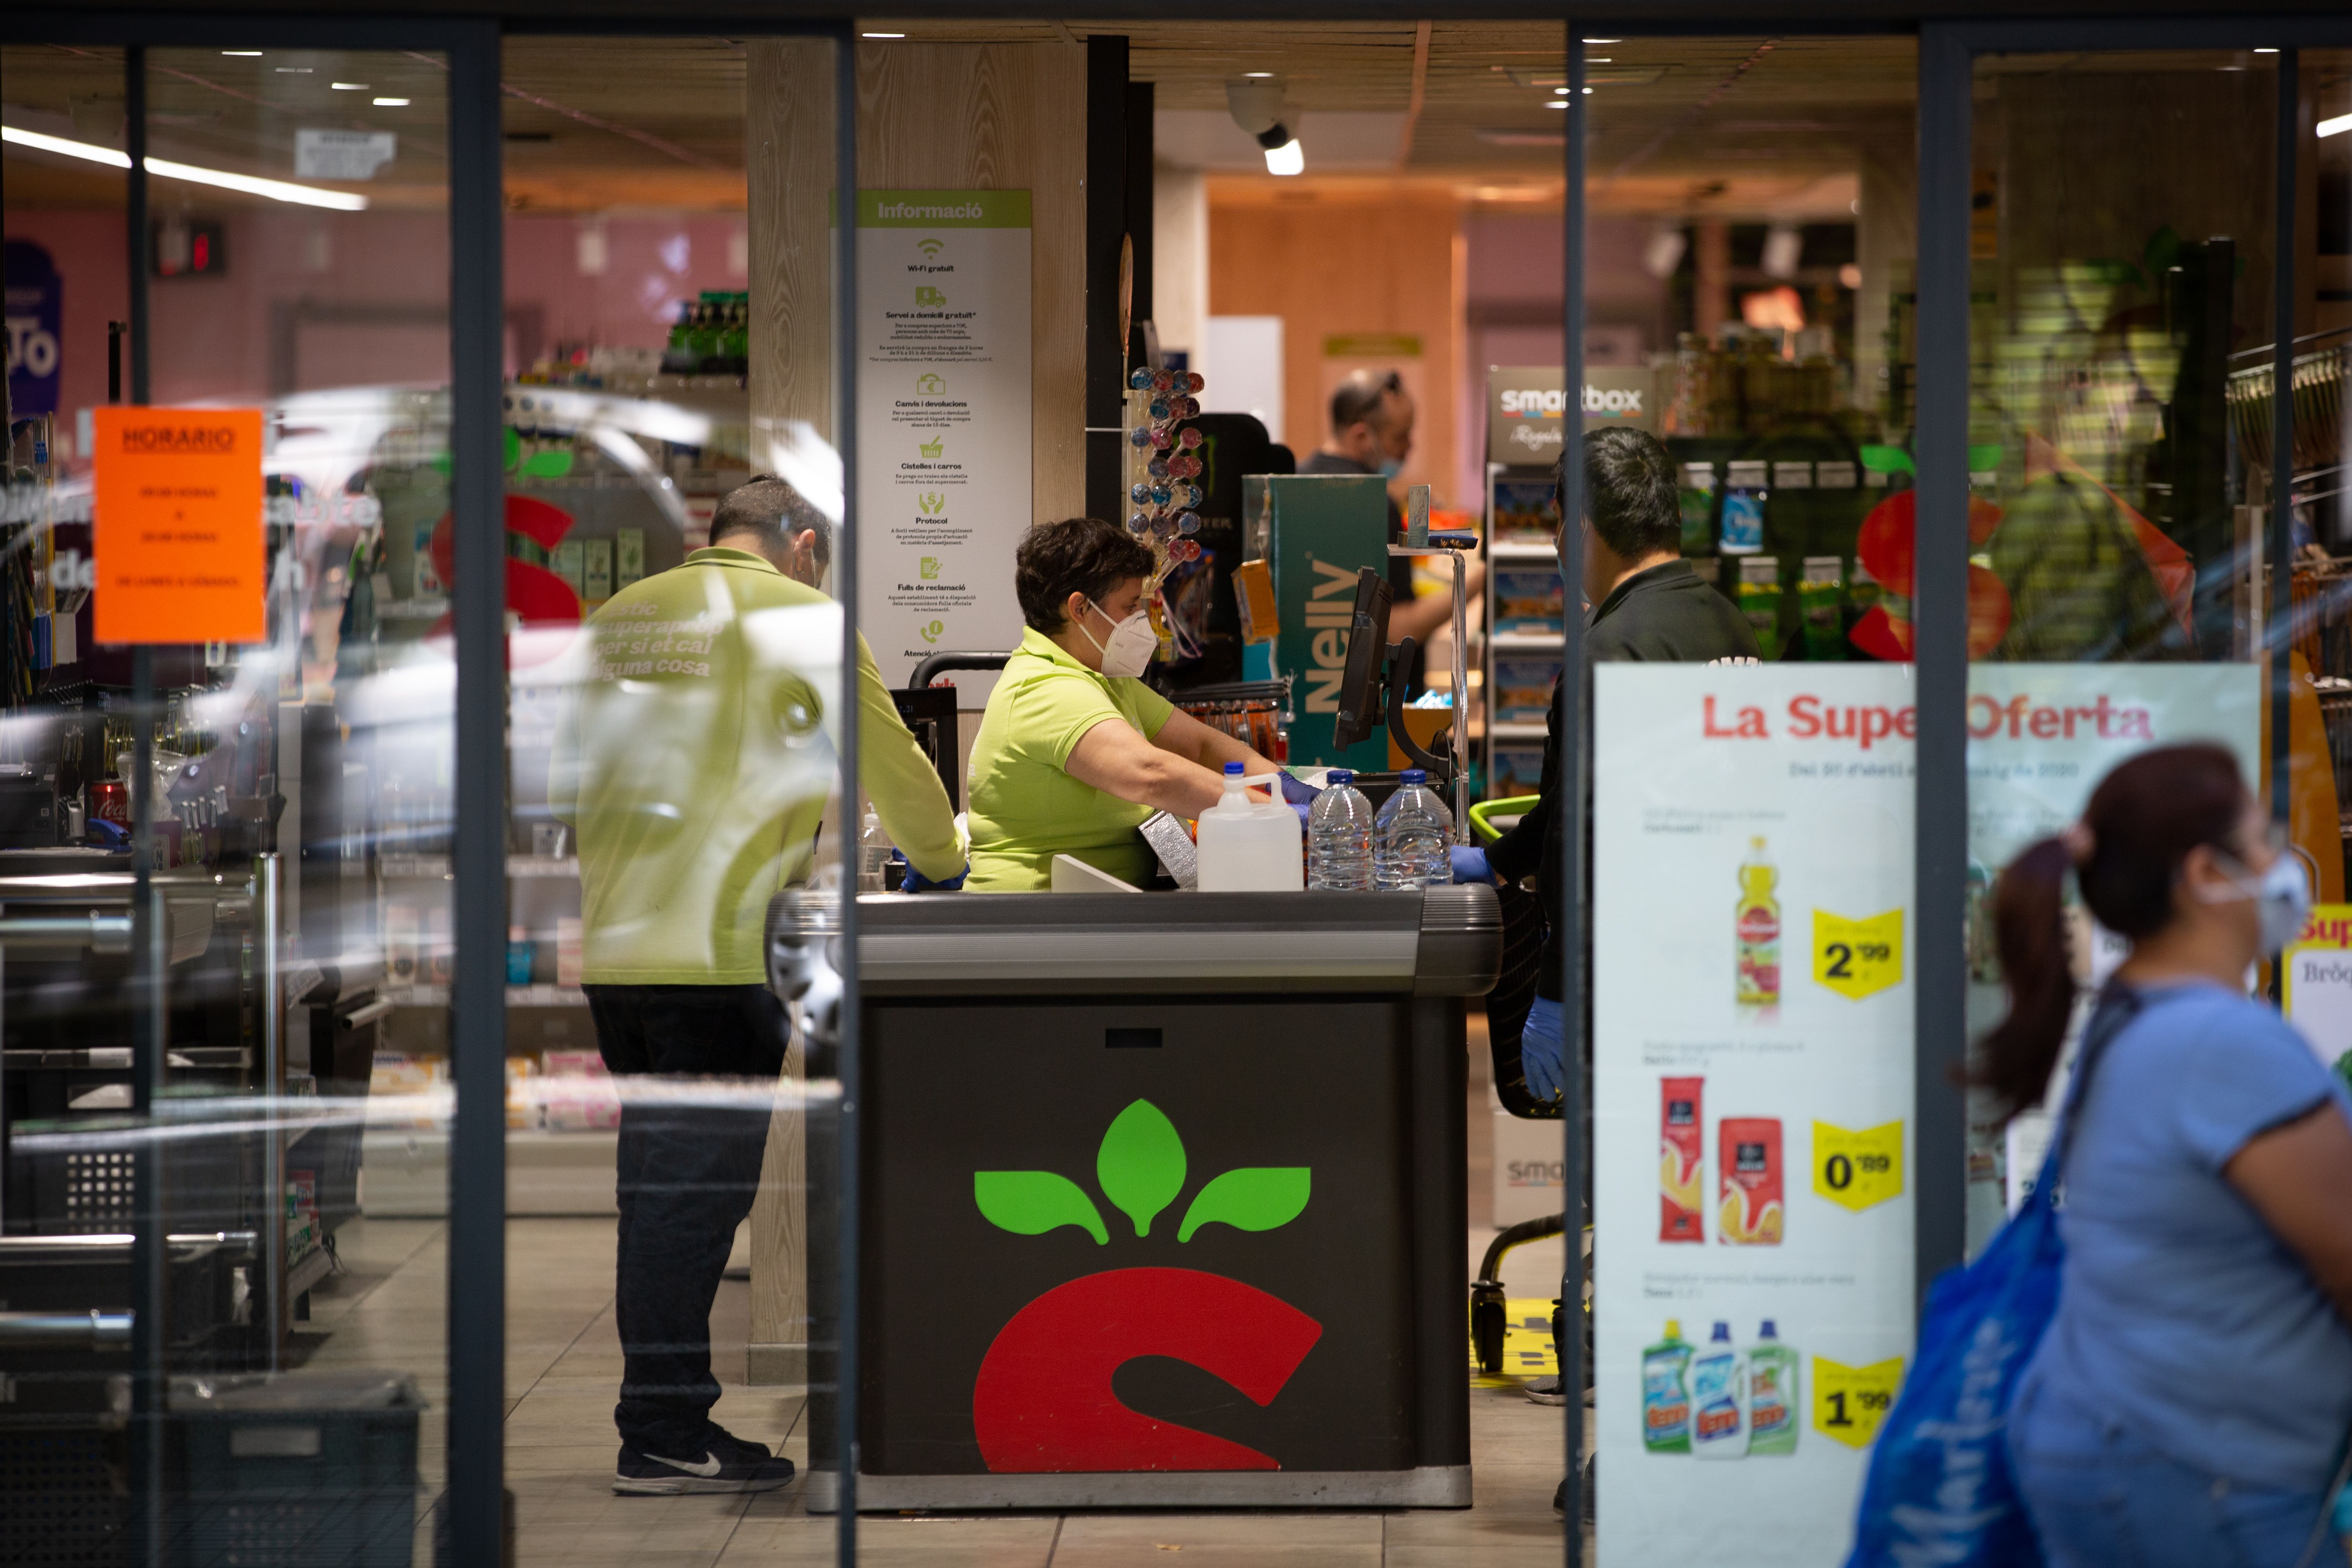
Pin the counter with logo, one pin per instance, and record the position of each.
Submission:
(1162, 1201)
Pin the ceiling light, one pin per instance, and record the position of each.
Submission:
(1289, 158)
(348, 86)
(2335, 127)
(1559, 102)
(881, 35)
(293, 70)
(390, 102)
(2265, 51)
(1604, 40)
(1599, 60)
(1560, 91)
(276, 190)
(243, 54)
(1257, 76)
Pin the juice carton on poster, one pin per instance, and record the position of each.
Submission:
(1682, 1155)
(1748, 1153)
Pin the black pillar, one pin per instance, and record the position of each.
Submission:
(1107, 221)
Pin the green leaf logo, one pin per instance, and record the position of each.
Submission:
(1255, 1197)
(1141, 1163)
(1031, 1203)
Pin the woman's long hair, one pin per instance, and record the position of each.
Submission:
(2141, 823)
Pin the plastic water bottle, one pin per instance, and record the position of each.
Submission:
(1340, 837)
(1409, 838)
(873, 853)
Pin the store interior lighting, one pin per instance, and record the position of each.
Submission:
(1289, 159)
(164, 168)
(2335, 127)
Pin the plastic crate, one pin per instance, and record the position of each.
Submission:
(308, 1470)
(65, 1507)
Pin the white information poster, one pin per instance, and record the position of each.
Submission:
(1753, 1138)
(1753, 1066)
(943, 421)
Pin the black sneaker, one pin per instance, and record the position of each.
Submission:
(725, 1464)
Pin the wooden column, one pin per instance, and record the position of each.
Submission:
(929, 117)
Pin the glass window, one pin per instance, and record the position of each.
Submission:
(229, 730)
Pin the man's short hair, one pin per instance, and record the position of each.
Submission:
(771, 509)
(1629, 491)
(1357, 401)
(1077, 555)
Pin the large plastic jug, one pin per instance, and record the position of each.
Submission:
(1248, 846)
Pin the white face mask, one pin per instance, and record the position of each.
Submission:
(2282, 896)
(1132, 646)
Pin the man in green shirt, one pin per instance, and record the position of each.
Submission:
(694, 760)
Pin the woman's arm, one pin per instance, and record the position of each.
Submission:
(1113, 758)
(2296, 1176)
(1188, 738)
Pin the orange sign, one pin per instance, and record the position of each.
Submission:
(176, 534)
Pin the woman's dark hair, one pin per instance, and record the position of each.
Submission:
(1077, 555)
(2140, 825)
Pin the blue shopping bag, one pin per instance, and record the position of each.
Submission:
(1940, 1490)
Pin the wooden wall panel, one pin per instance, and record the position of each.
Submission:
(1007, 116)
(1331, 266)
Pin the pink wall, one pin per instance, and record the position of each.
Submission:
(651, 262)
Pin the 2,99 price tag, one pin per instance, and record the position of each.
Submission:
(1858, 1169)
(1858, 958)
(1848, 1402)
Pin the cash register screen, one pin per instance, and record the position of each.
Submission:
(1363, 710)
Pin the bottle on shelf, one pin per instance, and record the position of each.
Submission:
(873, 854)
(1410, 838)
(1340, 837)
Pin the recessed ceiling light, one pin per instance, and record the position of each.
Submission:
(1257, 75)
(293, 70)
(1562, 91)
(243, 54)
(2335, 127)
(390, 102)
(348, 86)
(1599, 61)
(1604, 40)
(881, 35)
(1558, 102)
(2265, 51)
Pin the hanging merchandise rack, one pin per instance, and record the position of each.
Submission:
(2322, 361)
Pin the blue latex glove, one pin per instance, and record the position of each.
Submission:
(1543, 1049)
(917, 883)
(1470, 863)
(1304, 812)
(1297, 792)
(104, 833)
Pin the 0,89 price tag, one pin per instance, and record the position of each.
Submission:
(1848, 1402)
(1858, 1169)
(1858, 958)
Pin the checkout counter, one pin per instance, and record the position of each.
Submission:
(1161, 1198)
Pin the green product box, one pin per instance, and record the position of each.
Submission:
(1821, 595)
(1322, 528)
(1759, 601)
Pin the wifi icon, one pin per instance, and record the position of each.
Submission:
(930, 248)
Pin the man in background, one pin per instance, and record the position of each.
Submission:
(1371, 433)
(694, 760)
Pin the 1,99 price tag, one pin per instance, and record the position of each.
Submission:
(1848, 1402)
(1858, 1169)
(1858, 958)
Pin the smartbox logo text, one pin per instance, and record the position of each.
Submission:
(1617, 403)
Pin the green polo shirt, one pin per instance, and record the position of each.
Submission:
(693, 755)
(1026, 807)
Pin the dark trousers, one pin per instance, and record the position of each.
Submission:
(689, 1166)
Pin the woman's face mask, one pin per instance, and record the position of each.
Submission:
(1132, 642)
(2282, 897)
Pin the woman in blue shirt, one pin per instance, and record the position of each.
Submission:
(2193, 1397)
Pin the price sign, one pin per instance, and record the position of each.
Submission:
(1858, 1169)
(1848, 1402)
(1858, 958)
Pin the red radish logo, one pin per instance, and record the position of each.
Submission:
(1042, 1401)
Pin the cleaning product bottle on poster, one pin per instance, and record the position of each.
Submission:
(1718, 1397)
(1665, 1394)
(1758, 918)
(1771, 1394)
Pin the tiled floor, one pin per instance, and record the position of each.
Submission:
(563, 1364)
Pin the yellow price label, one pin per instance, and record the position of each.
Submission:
(1848, 1402)
(1858, 1169)
(1858, 958)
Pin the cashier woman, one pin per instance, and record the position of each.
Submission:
(1074, 753)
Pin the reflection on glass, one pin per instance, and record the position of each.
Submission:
(254, 1099)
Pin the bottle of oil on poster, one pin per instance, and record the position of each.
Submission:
(1758, 930)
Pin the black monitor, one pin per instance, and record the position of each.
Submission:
(1363, 696)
